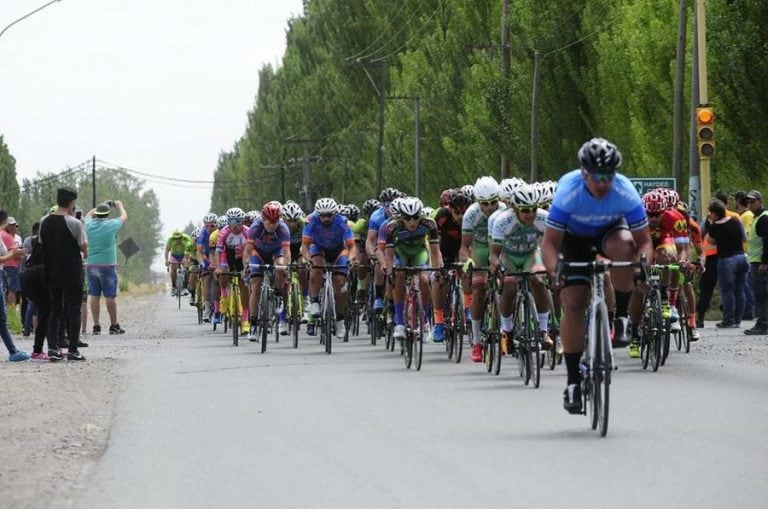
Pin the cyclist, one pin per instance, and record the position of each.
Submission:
(269, 243)
(193, 267)
(448, 220)
(377, 220)
(474, 252)
(230, 245)
(360, 232)
(203, 250)
(328, 238)
(294, 219)
(405, 241)
(515, 237)
(697, 254)
(175, 250)
(595, 211)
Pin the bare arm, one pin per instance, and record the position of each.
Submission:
(550, 246)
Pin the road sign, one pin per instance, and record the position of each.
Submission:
(643, 185)
(128, 247)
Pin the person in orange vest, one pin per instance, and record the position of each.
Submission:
(708, 280)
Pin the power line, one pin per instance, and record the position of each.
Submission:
(595, 32)
(423, 25)
(394, 18)
(403, 27)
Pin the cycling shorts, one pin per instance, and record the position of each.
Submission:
(585, 249)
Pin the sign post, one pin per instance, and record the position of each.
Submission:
(643, 185)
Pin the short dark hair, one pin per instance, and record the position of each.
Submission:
(3, 215)
(36, 228)
(722, 196)
(717, 207)
(65, 196)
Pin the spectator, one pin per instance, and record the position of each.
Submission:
(746, 216)
(757, 254)
(708, 280)
(31, 309)
(727, 234)
(102, 260)
(64, 245)
(8, 235)
(14, 354)
(33, 286)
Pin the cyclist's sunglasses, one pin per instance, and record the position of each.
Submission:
(602, 177)
(326, 216)
(407, 217)
(527, 210)
(486, 203)
(233, 221)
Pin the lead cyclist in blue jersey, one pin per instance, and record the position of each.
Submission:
(595, 211)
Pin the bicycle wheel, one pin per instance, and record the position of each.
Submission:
(199, 301)
(294, 311)
(601, 377)
(534, 342)
(550, 355)
(274, 317)
(418, 337)
(179, 285)
(264, 315)
(657, 345)
(329, 320)
(234, 305)
(457, 316)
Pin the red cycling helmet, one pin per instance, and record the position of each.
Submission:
(271, 211)
(654, 202)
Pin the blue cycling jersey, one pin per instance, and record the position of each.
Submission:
(378, 218)
(334, 236)
(574, 210)
(202, 240)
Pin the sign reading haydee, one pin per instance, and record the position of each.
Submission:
(643, 184)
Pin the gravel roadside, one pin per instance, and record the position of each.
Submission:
(55, 417)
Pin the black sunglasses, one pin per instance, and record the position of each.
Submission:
(407, 217)
(527, 210)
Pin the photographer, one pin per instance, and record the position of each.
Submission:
(102, 260)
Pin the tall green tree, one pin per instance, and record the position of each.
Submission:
(9, 186)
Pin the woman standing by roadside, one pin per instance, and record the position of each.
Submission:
(727, 233)
(17, 253)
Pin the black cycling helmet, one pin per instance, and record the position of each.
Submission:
(389, 194)
(599, 155)
(460, 199)
(370, 206)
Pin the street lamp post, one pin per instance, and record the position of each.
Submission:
(27, 15)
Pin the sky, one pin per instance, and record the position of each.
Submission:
(159, 86)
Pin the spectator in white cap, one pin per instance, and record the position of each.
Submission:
(11, 267)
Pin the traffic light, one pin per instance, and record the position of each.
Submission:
(705, 131)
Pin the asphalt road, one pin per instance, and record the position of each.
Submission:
(206, 424)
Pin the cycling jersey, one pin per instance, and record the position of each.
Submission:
(574, 210)
(320, 237)
(360, 229)
(230, 245)
(519, 242)
(265, 241)
(202, 240)
(450, 235)
(475, 223)
(378, 218)
(410, 246)
(177, 246)
(674, 224)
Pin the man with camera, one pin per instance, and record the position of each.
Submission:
(102, 260)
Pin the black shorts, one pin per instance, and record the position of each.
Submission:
(585, 249)
(296, 252)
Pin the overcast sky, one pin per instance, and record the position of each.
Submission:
(160, 86)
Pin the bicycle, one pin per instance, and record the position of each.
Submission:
(179, 281)
(266, 315)
(413, 314)
(295, 305)
(598, 362)
(455, 321)
(526, 332)
(199, 302)
(234, 309)
(491, 335)
(327, 306)
(654, 330)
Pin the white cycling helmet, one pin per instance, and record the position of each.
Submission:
(508, 187)
(427, 211)
(396, 207)
(236, 214)
(326, 206)
(486, 188)
(210, 218)
(291, 210)
(469, 190)
(411, 207)
(526, 196)
(195, 233)
(221, 222)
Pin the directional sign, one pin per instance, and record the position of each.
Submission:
(643, 185)
(128, 247)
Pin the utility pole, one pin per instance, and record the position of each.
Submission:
(382, 90)
(93, 181)
(535, 117)
(678, 136)
(694, 189)
(305, 179)
(417, 139)
(701, 43)
(505, 66)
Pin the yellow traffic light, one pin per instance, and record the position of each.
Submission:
(705, 131)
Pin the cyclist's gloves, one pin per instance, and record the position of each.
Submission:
(468, 265)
